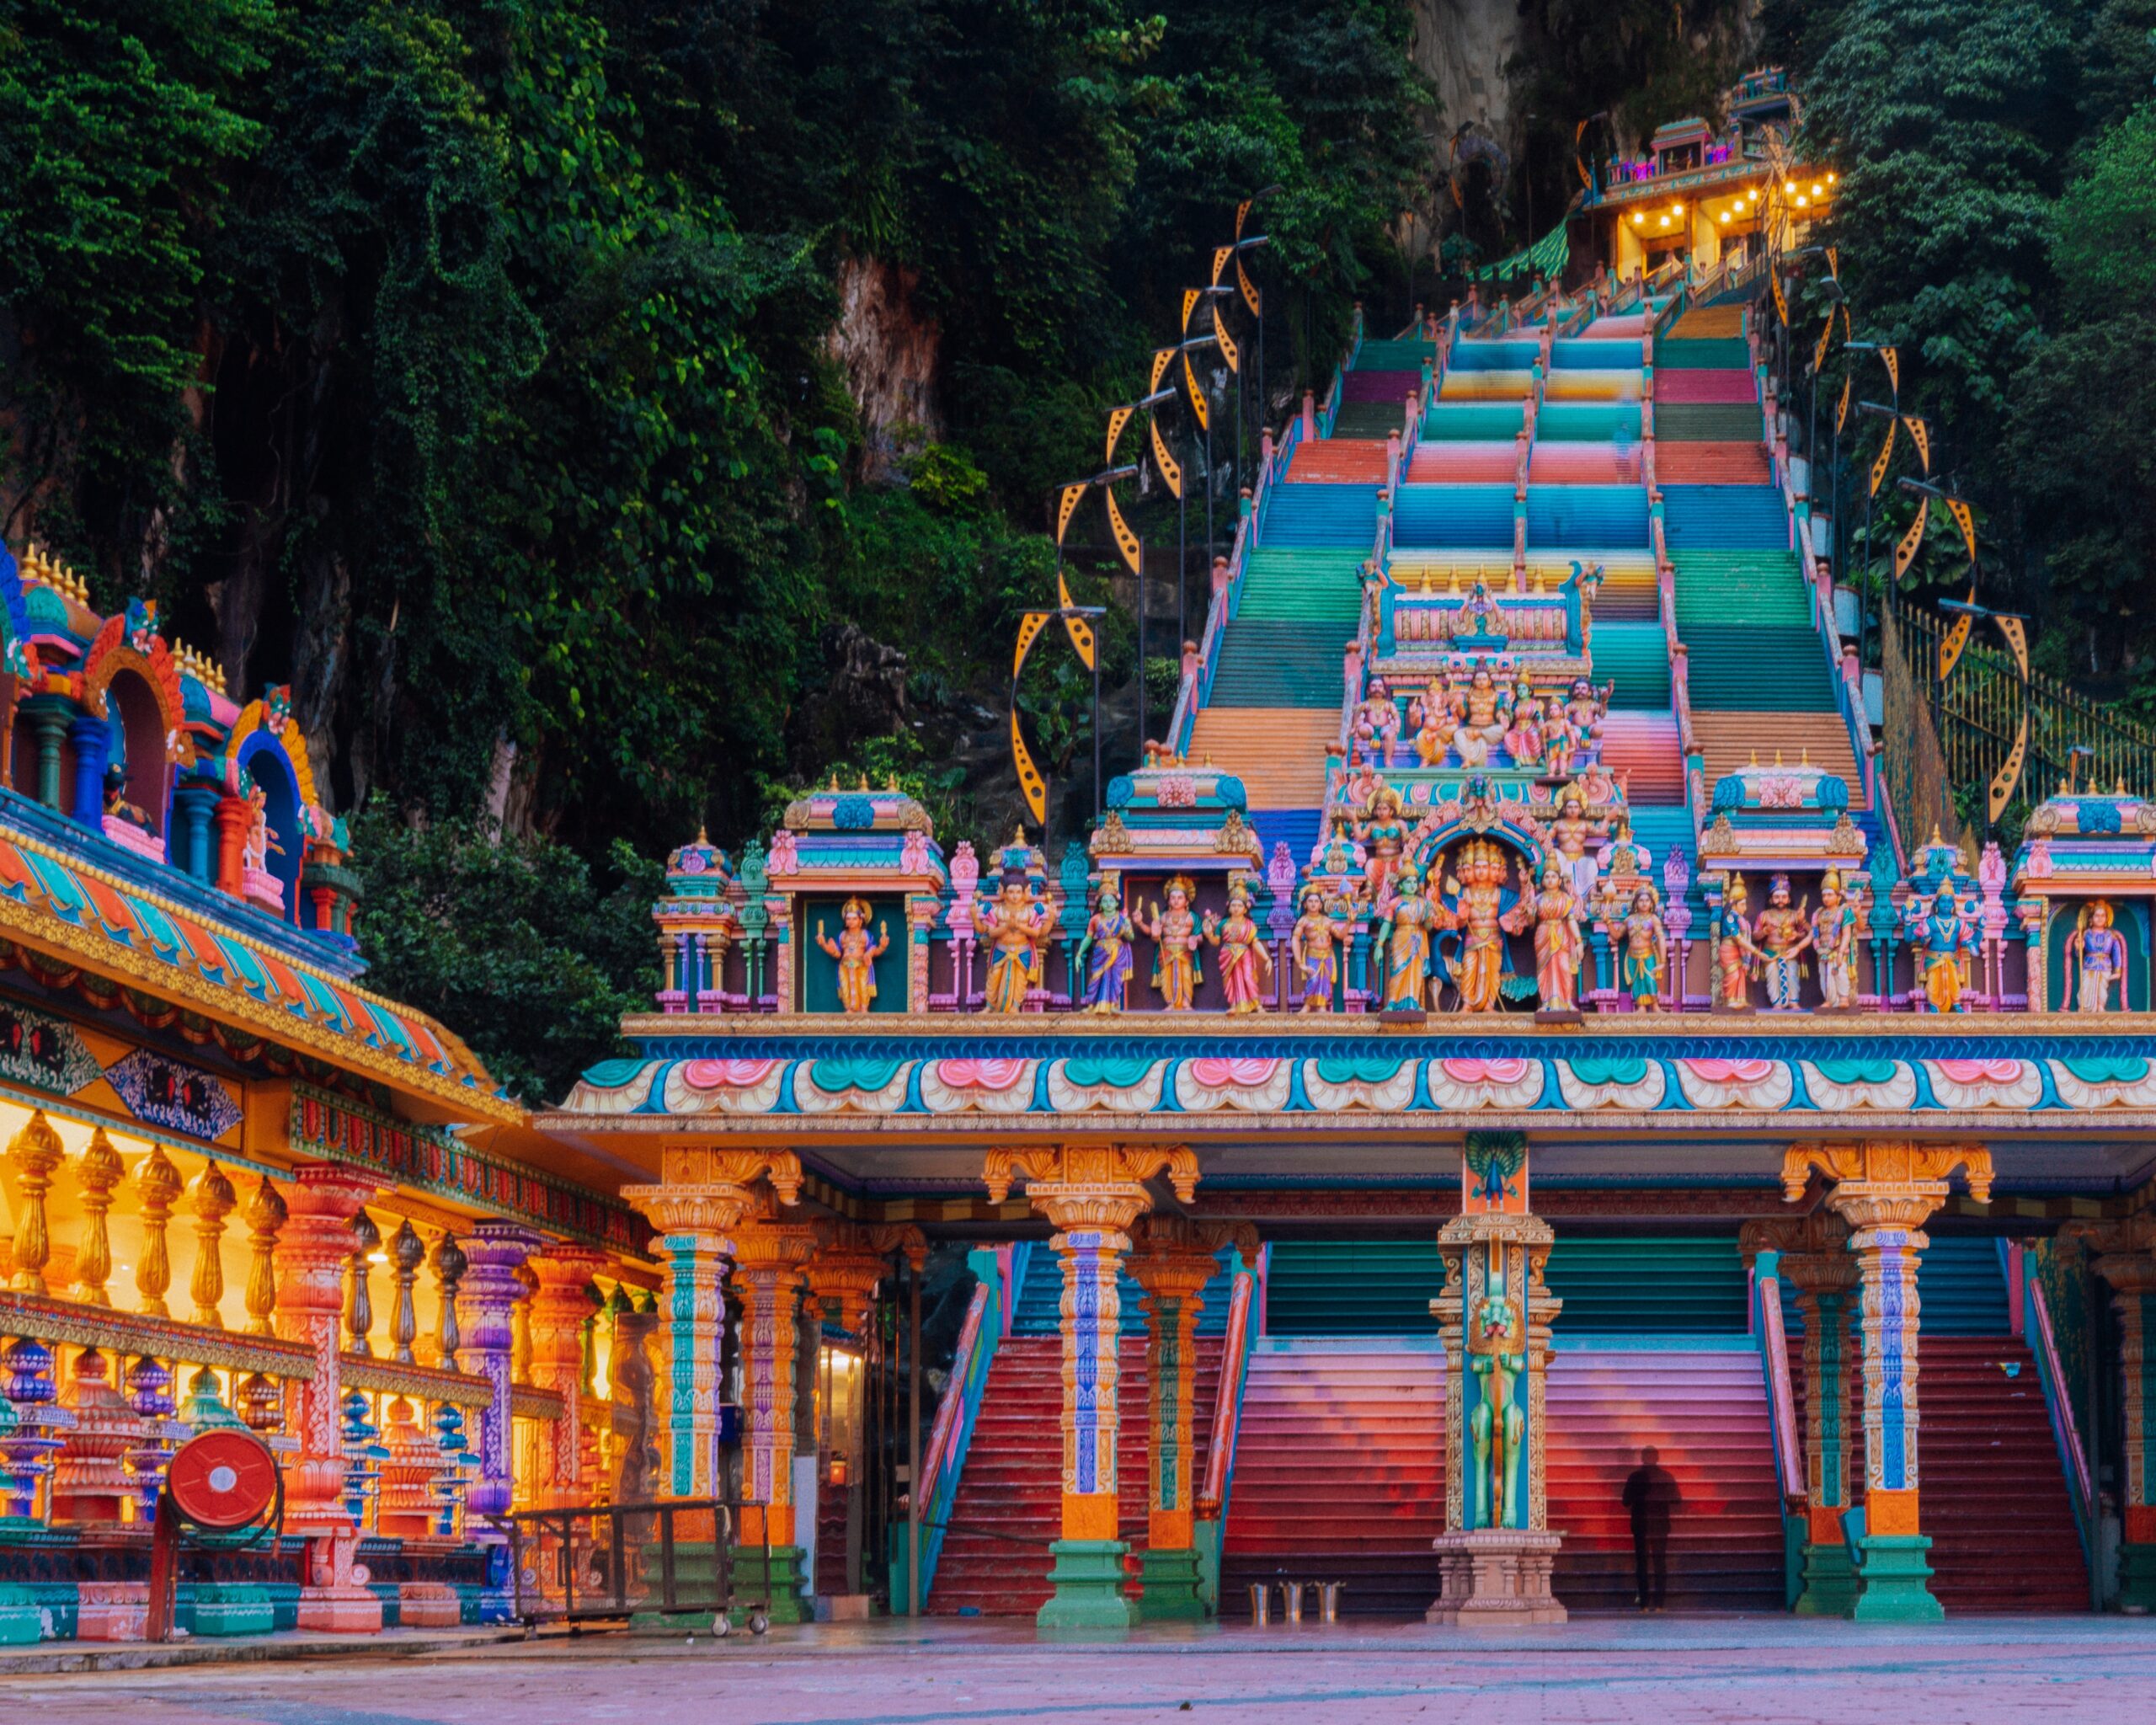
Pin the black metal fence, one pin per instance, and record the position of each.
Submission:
(617, 1562)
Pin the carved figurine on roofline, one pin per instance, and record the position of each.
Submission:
(1105, 958)
(1015, 929)
(1176, 937)
(1241, 947)
(1834, 939)
(2097, 953)
(1315, 949)
(857, 955)
(1782, 935)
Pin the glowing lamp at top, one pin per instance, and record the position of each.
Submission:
(1638, 218)
(1830, 179)
(1804, 203)
(1665, 221)
(1789, 186)
(1817, 189)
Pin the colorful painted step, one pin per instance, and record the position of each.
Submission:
(1550, 463)
(1698, 389)
(1586, 518)
(1473, 421)
(1340, 1471)
(1710, 323)
(1579, 385)
(1478, 517)
(1374, 420)
(1294, 584)
(1446, 461)
(1007, 1508)
(1278, 752)
(1680, 463)
(1712, 424)
(1338, 461)
(1275, 664)
(1635, 657)
(1342, 515)
(1704, 1412)
(1729, 738)
(1498, 355)
(1588, 422)
(1724, 517)
(1673, 353)
(1410, 354)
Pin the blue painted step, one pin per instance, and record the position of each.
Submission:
(1586, 518)
(1298, 827)
(1724, 518)
(1321, 515)
(1961, 1290)
(1039, 1308)
(1467, 517)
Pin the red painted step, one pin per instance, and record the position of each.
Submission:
(1643, 750)
(1679, 385)
(1994, 1499)
(995, 1559)
(1680, 463)
(1706, 1415)
(1339, 1474)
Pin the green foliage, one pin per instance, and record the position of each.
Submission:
(517, 943)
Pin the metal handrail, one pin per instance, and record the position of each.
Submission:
(1234, 1361)
(2047, 1347)
(1781, 1394)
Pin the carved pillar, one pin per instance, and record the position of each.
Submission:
(1173, 1262)
(853, 1260)
(311, 1253)
(234, 817)
(1886, 1189)
(496, 1251)
(1092, 1194)
(702, 1197)
(1814, 1259)
(407, 1253)
(265, 1218)
(770, 1254)
(1497, 1553)
(90, 738)
(559, 1312)
(2126, 1259)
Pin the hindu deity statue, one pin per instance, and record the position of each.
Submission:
(1625, 859)
(1377, 722)
(1646, 949)
(1485, 718)
(1105, 960)
(1177, 938)
(1734, 953)
(2096, 950)
(857, 955)
(1477, 911)
(1782, 935)
(1383, 834)
(1241, 946)
(1944, 931)
(1437, 723)
(1497, 1356)
(1556, 911)
(1406, 927)
(1523, 737)
(1314, 947)
(1015, 929)
(1561, 750)
(1834, 938)
(1570, 835)
(1587, 708)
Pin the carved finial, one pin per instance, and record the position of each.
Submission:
(157, 1186)
(212, 1202)
(95, 1176)
(266, 1213)
(406, 1251)
(35, 1152)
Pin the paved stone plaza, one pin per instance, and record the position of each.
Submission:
(1760, 1671)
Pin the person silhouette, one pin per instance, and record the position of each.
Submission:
(1651, 1494)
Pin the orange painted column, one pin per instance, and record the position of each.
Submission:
(312, 1254)
(770, 1253)
(1173, 1264)
(558, 1312)
(1092, 1194)
(1886, 1189)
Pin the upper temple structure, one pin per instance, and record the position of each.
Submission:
(1513, 1036)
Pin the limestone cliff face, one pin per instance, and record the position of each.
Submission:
(1462, 47)
(890, 351)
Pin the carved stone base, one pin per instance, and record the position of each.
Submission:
(112, 1611)
(1411, 1017)
(1830, 1588)
(1170, 1588)
(340, 1611)
(2137, 1578)
(22, 1624)
(1891, 1570)
(1087, 1575)
(427, 1605)
(1560, 1015)
(1496, 1578)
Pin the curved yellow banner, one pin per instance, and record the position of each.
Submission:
(1126, 541)
(1197, 396)
(1170, 469)
(1905, 554)
(1080, 631)
(1227, 347)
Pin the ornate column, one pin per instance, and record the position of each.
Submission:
(771, 1251)
(34, 1153)
(1886, 1189)
(1814, 1259)
(851, 1261)
(559, 1312)
(1497, 1552)
(321, 1199)
(495, 1251)
(702, 1196)
(233, 817)
(1092, 1194)
(1173, 1262)
(2126, 1259)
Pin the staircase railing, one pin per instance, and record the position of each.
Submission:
(1227, 1424)
(952, 1433)
(2060, 1404)
(1781, 1403)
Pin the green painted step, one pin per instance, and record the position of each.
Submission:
(1732, 423)
(1659, 1284)
(1394, 355)
(1736, 668)
(1731, 587)
(1637, 656)
(1293, 585)
(1376, 420)
(1649, 1285)
(1277, 664)
(1725, 353)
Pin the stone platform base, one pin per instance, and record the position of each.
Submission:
(1087, 1575)
(1496, 1578)
(2137, 1578)
(427, 1605)
(1169, 1593)
(1891, 1570)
